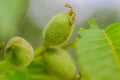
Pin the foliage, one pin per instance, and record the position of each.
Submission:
(11, 14)
(98, 51)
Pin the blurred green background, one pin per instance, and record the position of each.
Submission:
(27, 18)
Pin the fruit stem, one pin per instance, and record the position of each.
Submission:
(40, 50)
(70, 45)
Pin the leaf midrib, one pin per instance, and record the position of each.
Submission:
(113, 49)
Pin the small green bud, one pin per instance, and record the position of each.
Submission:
(59, 63)
(59, 29)
(18, 52)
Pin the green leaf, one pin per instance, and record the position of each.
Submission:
(4, 67)
(11, 14)
(35, 71)
(98, 52)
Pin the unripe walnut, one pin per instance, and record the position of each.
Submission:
(59, 63)
(18, 52)
(59, 29)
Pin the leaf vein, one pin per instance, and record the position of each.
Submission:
(113, 49)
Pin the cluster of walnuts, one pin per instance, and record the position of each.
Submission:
(19, 53)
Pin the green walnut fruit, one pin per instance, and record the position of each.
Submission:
(59, 63)
(59, 29)
(18, 52)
